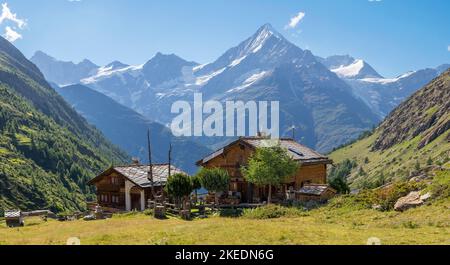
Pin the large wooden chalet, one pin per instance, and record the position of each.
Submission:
(312, 173)
(127, 188)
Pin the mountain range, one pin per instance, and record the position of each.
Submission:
(265, 67)
(128, 129)
(381, 94)
(48, 151)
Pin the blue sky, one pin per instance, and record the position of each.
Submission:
(394, 36)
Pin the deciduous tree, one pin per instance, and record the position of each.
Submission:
(269, 166)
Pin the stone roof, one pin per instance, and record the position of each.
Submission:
(13, 214)
(297, 151)
(315, 190)
(138, 174)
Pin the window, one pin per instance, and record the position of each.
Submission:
(115, 181)
(115, 199)
(104, 198)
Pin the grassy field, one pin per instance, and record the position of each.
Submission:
(425, 225)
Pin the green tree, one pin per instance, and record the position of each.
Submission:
(215, 180)
(339, 174)
(196, 184)
(340, 185)
(179, 186)
(269, 166)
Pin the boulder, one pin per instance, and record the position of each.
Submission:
(426, 197)
(412, 200)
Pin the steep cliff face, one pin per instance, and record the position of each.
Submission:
(426, 113)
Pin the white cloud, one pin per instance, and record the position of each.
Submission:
(295, 20)
(8, 15)
(11, 35)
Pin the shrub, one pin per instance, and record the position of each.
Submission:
(179, 186)
(230, 212)
(388, 197)
(440, 188)
(271, 212)
(214, 179)
(148, 212)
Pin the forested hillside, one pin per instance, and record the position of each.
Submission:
(47, 151)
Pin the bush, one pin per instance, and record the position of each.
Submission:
(214, 179)
(179, 186)
(148, 212)
(338, 176)
(387, 198)
(271, 212)
(440, 188)
(230, 212)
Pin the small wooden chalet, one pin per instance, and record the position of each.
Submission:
(312, 170)
(315, 192)
(127, 188)
(14, 218)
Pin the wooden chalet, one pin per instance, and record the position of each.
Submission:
(127, 188)
(315, 192)
(312, 170)
(14, 218)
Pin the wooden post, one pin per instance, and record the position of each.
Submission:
(169, 171)
(269, 199)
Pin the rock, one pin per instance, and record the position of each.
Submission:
(377, 207)
(426, 197)
(89, 218)
(412, 200)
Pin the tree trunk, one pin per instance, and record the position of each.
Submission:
(216, 195)
(184, 203)
(269, 199)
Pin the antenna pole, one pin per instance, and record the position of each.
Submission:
(170, 159)
(150, 172)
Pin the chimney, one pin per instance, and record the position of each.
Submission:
(135, 161)
(262, 135)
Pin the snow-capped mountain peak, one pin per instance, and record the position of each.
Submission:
(116, 65)
(351, 70)
(347, 67)
(257, 41)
